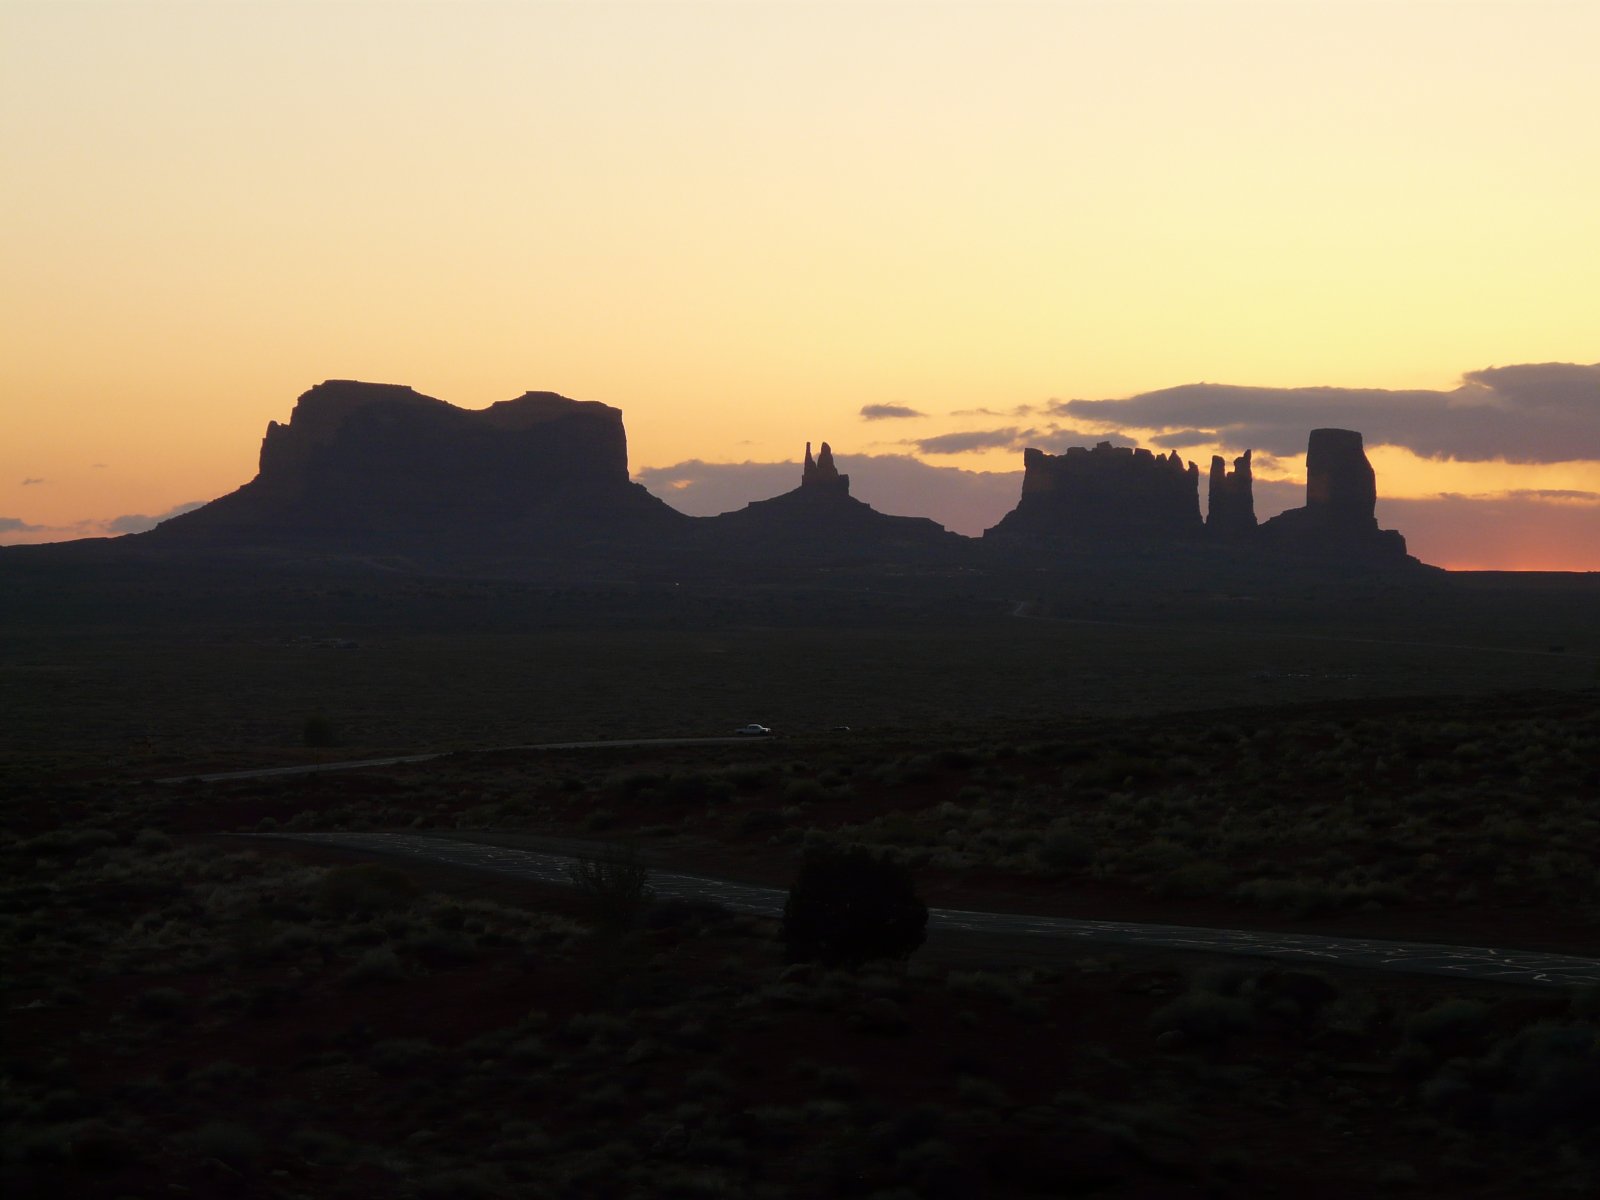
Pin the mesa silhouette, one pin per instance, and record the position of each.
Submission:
(1125, 496)
(365, 468)
(373, 467)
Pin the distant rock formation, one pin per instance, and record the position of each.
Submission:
(364, 463)
(1231, 502)
(1112, 499)
(820, 521)
(384, 475)
(1339, 520)
(1108, 493)
(821, 474)
(1340, 482)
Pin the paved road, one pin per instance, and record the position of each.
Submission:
(1466, 962)
(357, 763)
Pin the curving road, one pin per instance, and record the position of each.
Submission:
(1421, 958)
(353, 764)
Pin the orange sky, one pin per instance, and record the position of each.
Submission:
(742, 223)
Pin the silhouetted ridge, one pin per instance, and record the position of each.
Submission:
(1339, 521)
(1113, 500)
(820, 474)
(1231, 502)
(821, 520)
(1110, 492)
(377, 464)
(540, 484)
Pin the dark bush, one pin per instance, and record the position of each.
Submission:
(365, 888)
(318, 731)
(617, 888)
(851, 906)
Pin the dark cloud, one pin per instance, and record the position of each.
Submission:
(139, 523)
(1534, 413)
(1021, 410)
(1557, 495)
(1183, 438)
(1058, 441)
(17, 525)
(1564, 387)
(1052, 439)
(973, 439)
(31, 480)
(1272, 496)
(704, 489)
(882, 412)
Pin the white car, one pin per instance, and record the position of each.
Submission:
(752, 730)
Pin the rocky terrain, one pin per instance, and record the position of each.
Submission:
(539, 486)
(1108, 492)
(377, 466)
(820, 520)
(1338, 521)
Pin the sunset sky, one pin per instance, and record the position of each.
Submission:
(932, 232)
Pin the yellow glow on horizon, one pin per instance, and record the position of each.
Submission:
(741, 223)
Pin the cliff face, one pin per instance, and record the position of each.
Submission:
(1111, 499)
(382, 459)
(1339, 519)
(1107, 493)
(1340, 483)
(819, 475)
(1230, 502)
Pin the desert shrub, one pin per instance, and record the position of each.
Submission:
(69, 843)
(1158, 856)
(1119, 769)
(848, 907)
(749, 778)
(698, 788)
(379, 964)
(528, 1051)
(803, 791)
(584, 1028)
(761, 820)
(1543, 1080)
(236, 1145)
(984, 983)
(1308, 897)
(954, 758)
(617, 888)
(161, 1002)
(974, 1089)
(1204, 1016)
(635, 783)
(402, 1055)
(365, 888)
(221, 1075)
(1551, 1079)
(693, 914)
(1448, 1022)
(1065, 850)
(1195, 879)
(316, 731)
(707, 1082)
(1586, 1002)
(152, 841)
